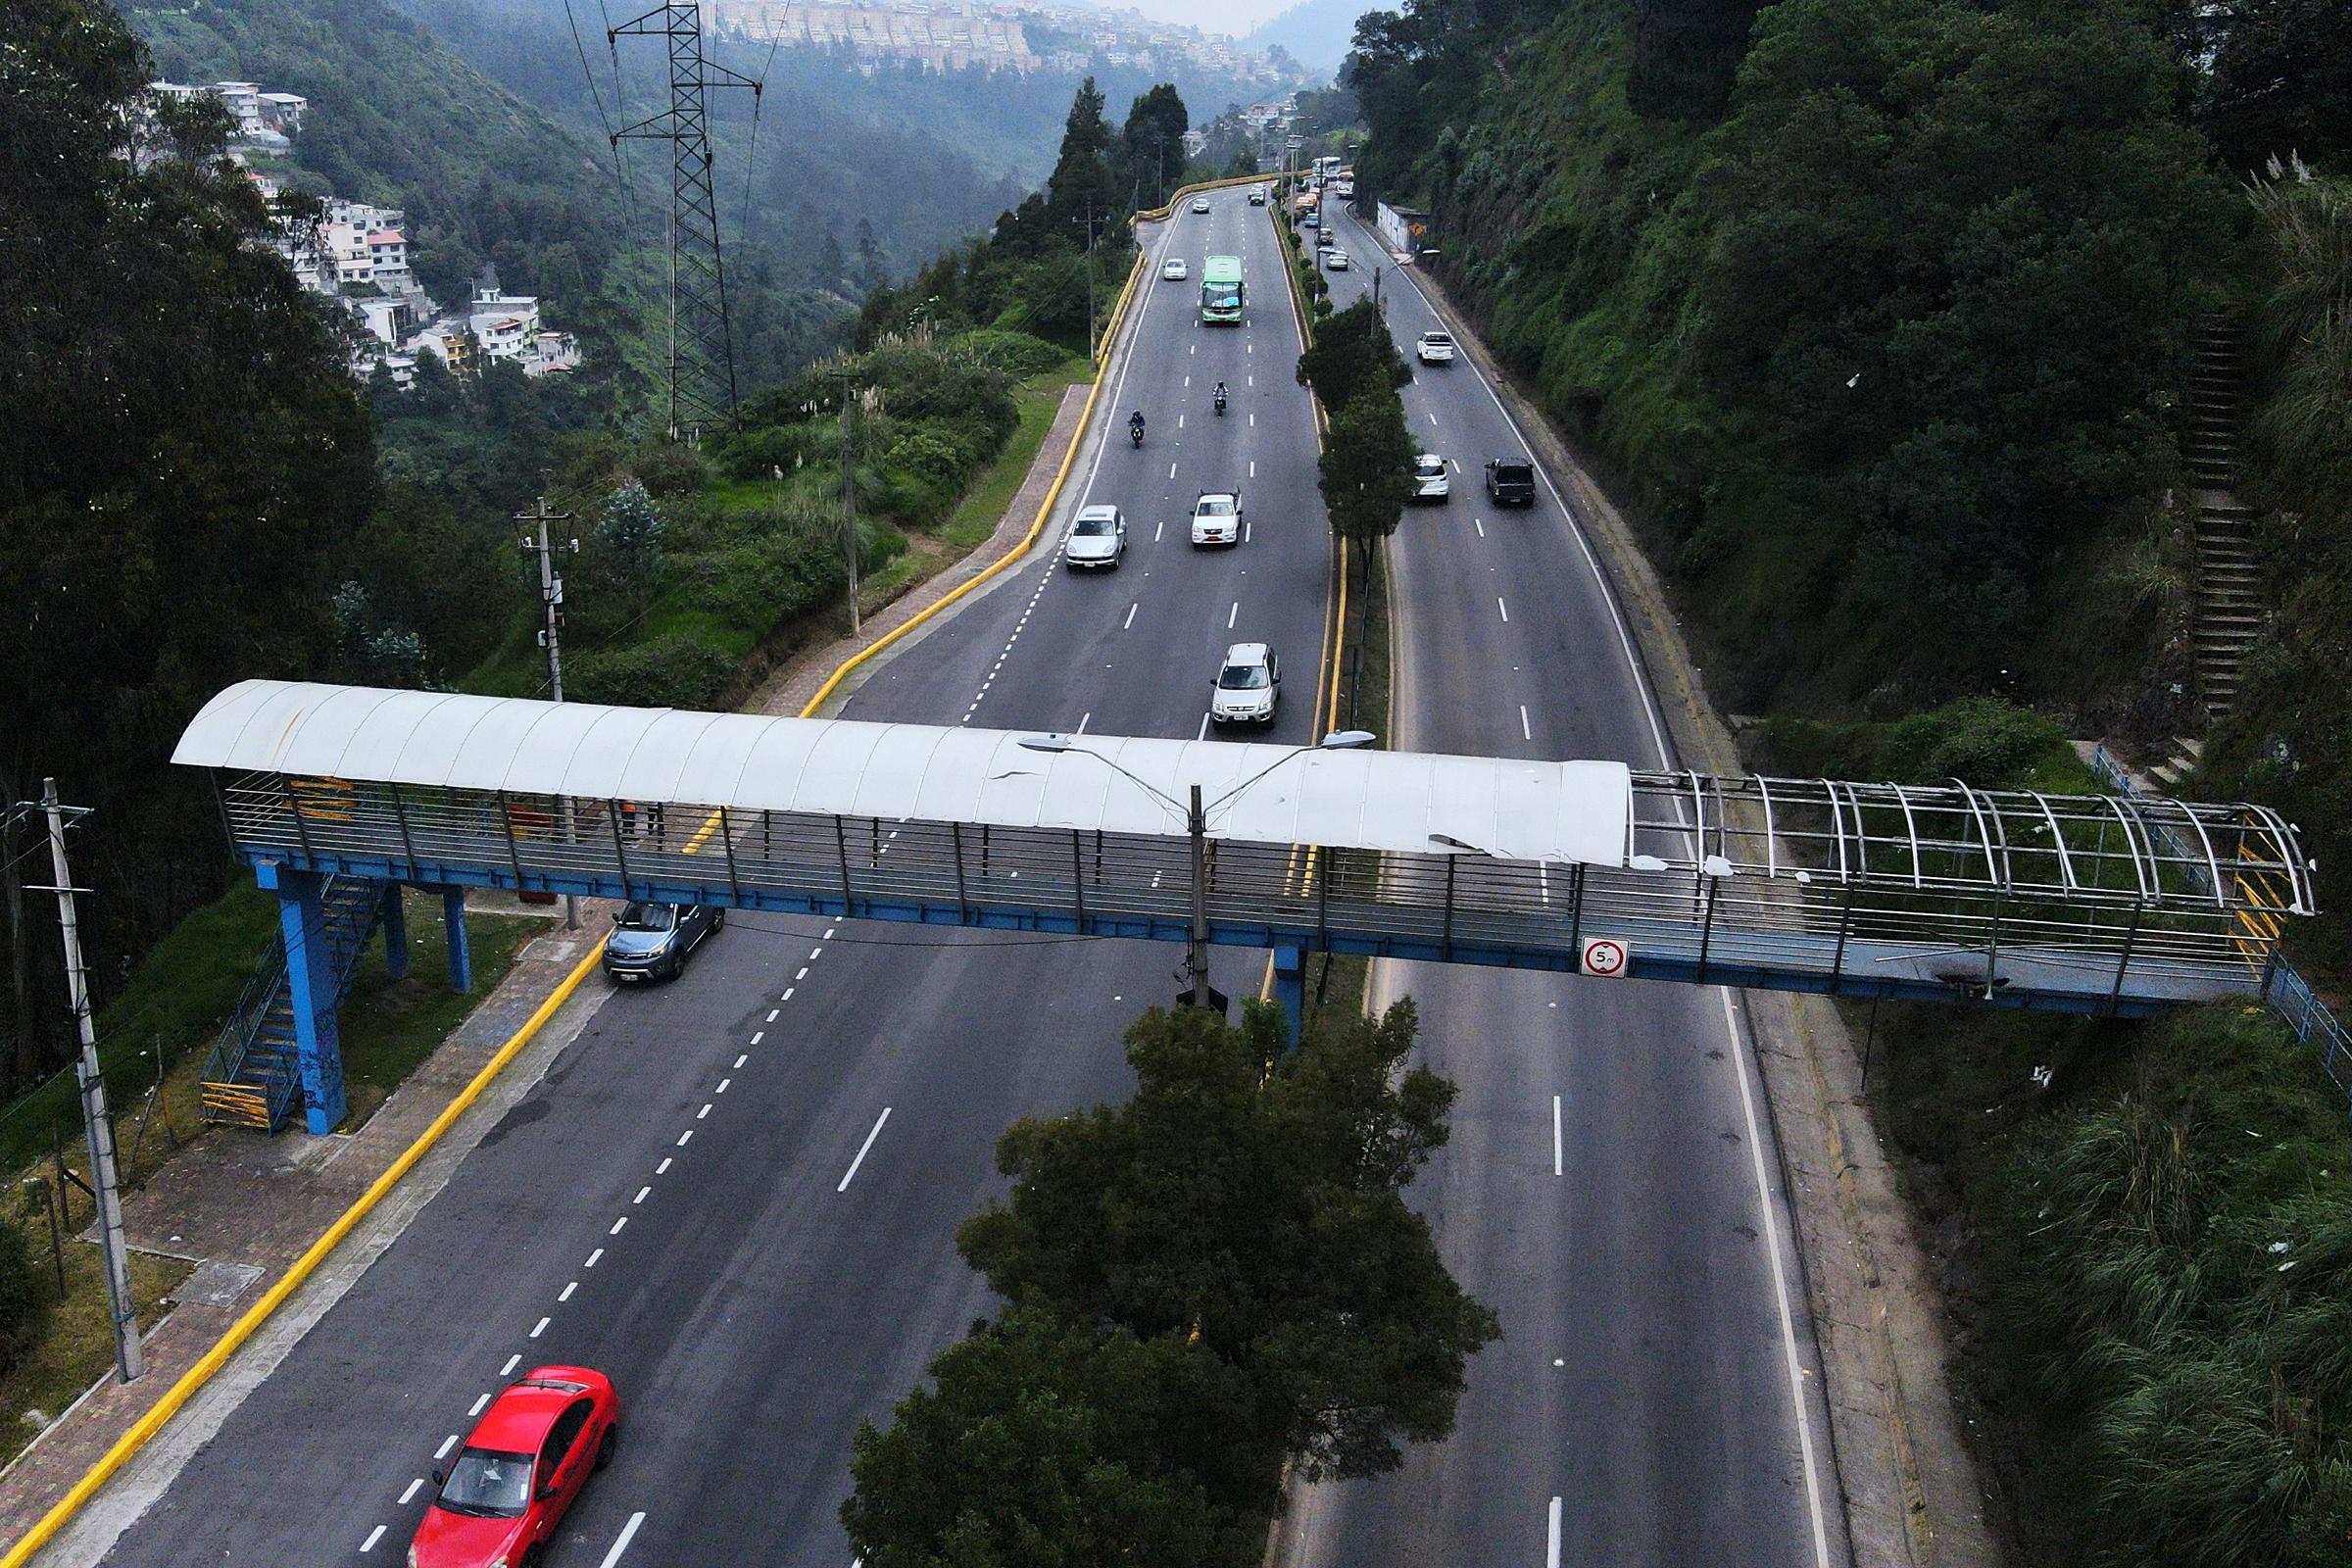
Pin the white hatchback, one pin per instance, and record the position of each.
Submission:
(1336, 260)
(1430, 480)
(1175, 270)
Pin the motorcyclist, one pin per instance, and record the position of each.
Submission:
(1220, 397)
(1135, 426)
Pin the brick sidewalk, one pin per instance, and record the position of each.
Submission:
(242, 1207)
(802, 675)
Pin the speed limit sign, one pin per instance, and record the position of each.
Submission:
(1605, 957)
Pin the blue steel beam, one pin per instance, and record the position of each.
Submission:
(1702, 952)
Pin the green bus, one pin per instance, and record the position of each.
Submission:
(1222, 293)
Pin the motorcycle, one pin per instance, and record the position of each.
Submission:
(1135, 434)
(1220, 405)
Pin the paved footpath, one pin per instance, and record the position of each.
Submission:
(242, 1207)
(789, 690)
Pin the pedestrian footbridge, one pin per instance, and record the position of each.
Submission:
(2091, 904)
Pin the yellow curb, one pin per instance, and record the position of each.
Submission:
(147, 1426)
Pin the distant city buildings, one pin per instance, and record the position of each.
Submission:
(357, 254)
(994, 35)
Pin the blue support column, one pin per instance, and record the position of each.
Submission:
(396, 933)
(1290, 987)
(311, 989)
(461, 948)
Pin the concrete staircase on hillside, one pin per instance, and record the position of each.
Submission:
(2231, 610)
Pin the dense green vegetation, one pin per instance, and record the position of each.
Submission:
(184, 454)
(2289, 738)
(1877, 354)
(1213, 1278)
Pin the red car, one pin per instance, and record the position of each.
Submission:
(503, 1496)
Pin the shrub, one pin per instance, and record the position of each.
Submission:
(759, 583)
(20, 1296)
(668, 469)
(679, 670)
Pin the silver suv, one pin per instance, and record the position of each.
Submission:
(1248, 686)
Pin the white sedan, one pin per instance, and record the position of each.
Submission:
(1336, 260)
(1200, 204)
(1174, 272)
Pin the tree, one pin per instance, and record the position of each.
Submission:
(1367, 468)
(2281, 84)
(1153, 142)
(1040, 1444)
(1352, 353)
(184, 452)
(1255, 1208)
(1082, 189)
(1685, 53)
(871, 272)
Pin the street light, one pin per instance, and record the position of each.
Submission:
(1195, 821)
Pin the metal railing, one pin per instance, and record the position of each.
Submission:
(2284, 987)
(1906, 891)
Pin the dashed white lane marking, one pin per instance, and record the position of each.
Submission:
(722, 1085)
(643, 1193)
(594, 1258)
(447, 1444)
(1171, 471)
(1253, 468)
(1188, 380)
(705, 1111)
(818, 952)
(758, 1035)
(787, 997)
(540, 1326)
(414, 1487)
(740, 1060)
(565, 1295)
(1433, 418)
(619, 1226)
(1253, 421)
(771, 1015)
(1506, 609)
(684, 1137)
(830, 929)
(373, 1535)
(479, 1405)
(1083, 719)
(1233, 614)
(862, 1151)
(629, 1533)
(1551, 1538)
(512, 1361)
(1203, 735)
(1480, 526)
(1525, 733)
(803, 976)
(1557, 1148)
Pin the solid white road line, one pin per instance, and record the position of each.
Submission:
(1779, 1288)
(1557, 1148)
(629, 1533)
(862, 1149)
(373, 1535)
(1551, 1538)
(414, 1488)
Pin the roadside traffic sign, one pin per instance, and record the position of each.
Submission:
(1605, 957)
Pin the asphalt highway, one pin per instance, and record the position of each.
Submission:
(738, 1195)
(1609, 1189)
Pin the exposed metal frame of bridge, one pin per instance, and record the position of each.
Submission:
(2082, 903)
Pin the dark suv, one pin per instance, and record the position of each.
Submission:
(651, 941)
(1510, 482)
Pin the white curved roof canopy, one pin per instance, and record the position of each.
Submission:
(1522, 810)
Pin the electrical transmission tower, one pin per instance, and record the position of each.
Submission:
(701, 350)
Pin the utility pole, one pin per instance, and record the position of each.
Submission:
(551, 636)
(131, 1358)
(1196, 952)
(1089, 221)
(849, 501)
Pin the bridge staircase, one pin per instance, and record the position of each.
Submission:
(252, 1078)
(2230, 607)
